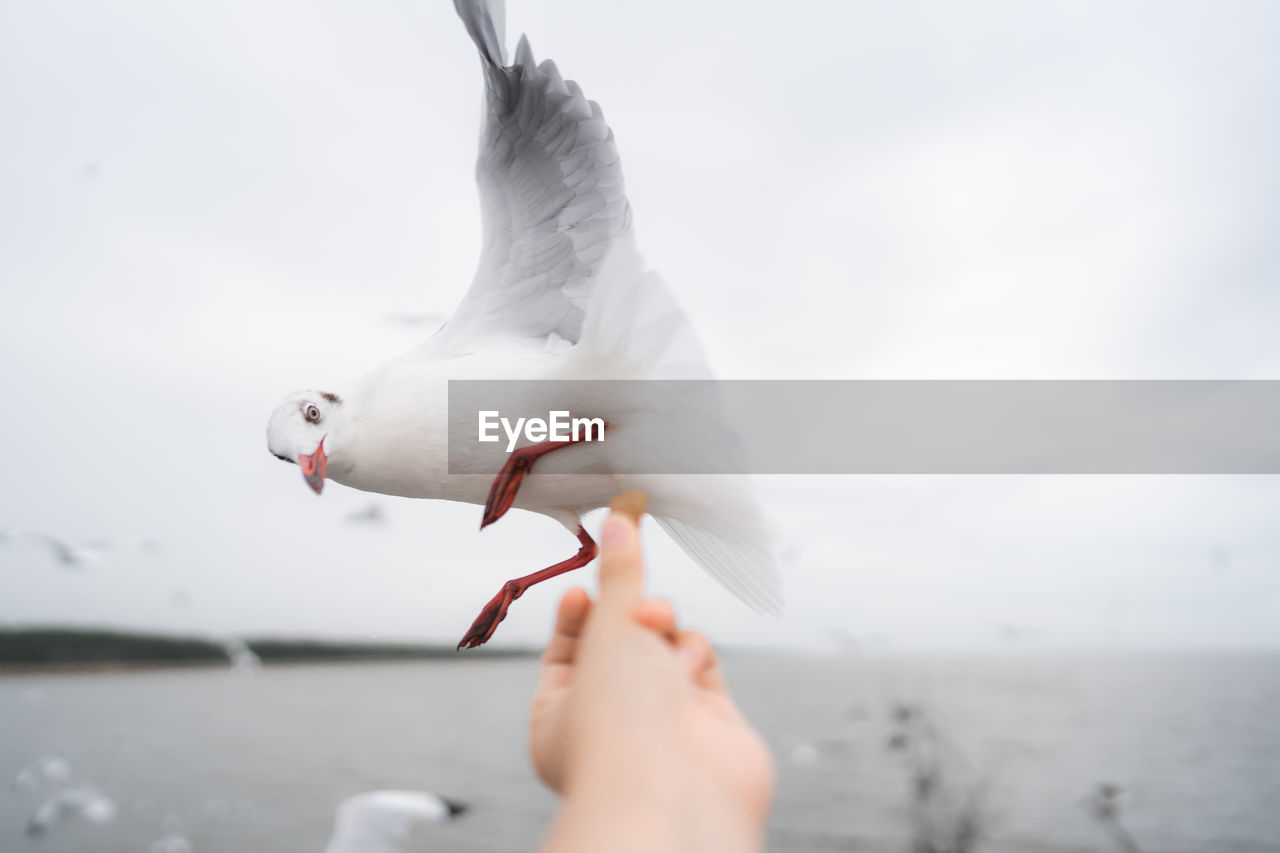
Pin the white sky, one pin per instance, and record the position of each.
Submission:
(205, 206)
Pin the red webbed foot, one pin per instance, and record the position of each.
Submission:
(496, 610)
(502, 494)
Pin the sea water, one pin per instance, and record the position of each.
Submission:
(258, 760)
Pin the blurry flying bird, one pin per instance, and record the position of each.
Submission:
(431, 319)
(372, 515)
(170, 843)
(74, 556)
(387, 821)
(1104, 806)
(42, 771)
(77, 556)
(76, 801)
(242, 658)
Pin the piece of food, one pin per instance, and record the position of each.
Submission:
(631, 504)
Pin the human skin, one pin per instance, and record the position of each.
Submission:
(632, 724)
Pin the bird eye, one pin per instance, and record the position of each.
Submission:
(312, 413)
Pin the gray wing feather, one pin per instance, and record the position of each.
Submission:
(551, 197)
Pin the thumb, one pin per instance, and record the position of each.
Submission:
(621, 559)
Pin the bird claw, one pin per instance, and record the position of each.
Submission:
(496, 610)
(502, 494)
(487, 622)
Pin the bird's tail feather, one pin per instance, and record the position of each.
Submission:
(635, 329)
(740, 557)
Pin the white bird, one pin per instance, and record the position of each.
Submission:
(560, 294)
(170, 843)
(385, 821)
(72, 799)
(68, 556)
(75, 556)
(79, 801)
(430, 319)
(49, 769)
(242, 658)
(372, 515)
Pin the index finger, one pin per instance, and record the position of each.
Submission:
(621, 560)
(570, 619)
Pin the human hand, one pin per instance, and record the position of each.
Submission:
(632, 715)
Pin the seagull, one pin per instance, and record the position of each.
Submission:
(383, 821)
(372, 514)
(1104, 807)
(431, 319)
(75, 556)
(560, 293)
(806, 751)
(67, 555)
(73, 798)
(241, 657)
(49, 769)
(78, 801)
(170, 843)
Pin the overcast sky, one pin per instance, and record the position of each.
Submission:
(206, 206)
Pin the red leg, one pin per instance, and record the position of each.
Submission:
(496, 610)
(502, 494)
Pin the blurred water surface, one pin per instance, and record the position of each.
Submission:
(257, 761)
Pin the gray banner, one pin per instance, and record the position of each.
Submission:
(871, 427)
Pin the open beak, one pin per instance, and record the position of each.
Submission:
(313, 467)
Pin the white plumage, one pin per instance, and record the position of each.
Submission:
(386, 821)
(560, 293)
(77, 801)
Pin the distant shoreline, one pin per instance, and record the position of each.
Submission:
(28, 650)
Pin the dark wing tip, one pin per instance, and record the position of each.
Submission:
(455, 808)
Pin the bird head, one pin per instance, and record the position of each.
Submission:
(308, 429)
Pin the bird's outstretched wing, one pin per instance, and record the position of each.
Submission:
(558, 261)
(551, 197)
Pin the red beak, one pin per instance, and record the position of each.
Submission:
(313, 467)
